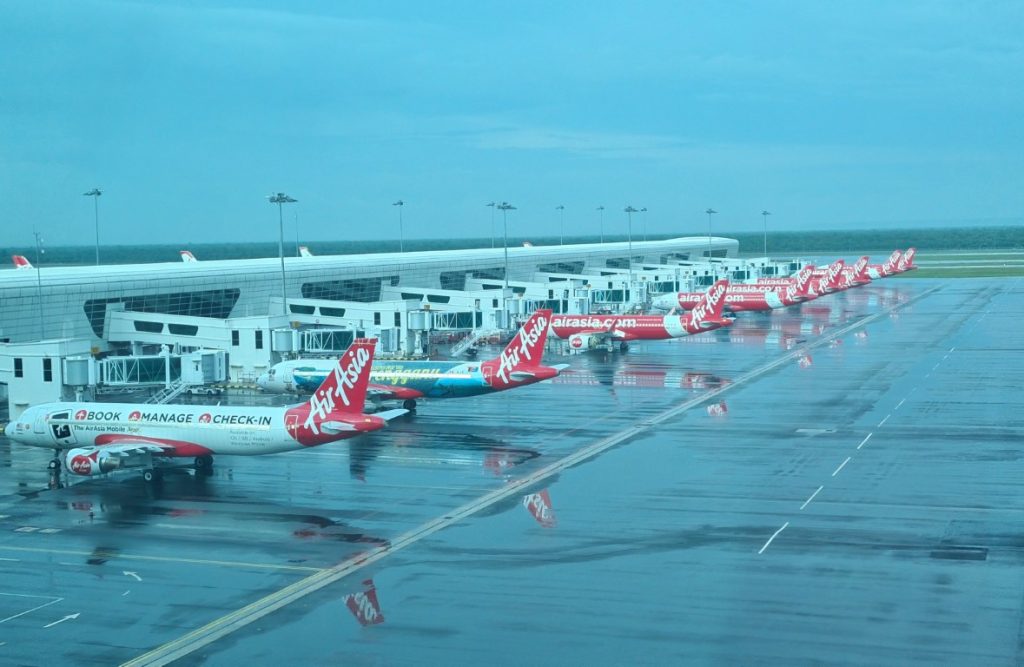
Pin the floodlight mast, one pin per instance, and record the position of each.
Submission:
(95, 194)
(505, 207)
(281, 199)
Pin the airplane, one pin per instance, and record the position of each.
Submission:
(519, 364)
(856, 275)
(187, 256)
(589, 331)
(829, 281)
(91, 439)
(876, 271)
(906, 262)
(304, 251)
(21, 262)
(739, 298)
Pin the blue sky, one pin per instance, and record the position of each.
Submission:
(831, 115)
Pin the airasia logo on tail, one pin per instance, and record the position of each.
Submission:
(364, 605)
(711, 303)
(322, 402)
(528, 337)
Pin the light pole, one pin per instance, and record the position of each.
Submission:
(492, 205)
(280, 199)
(561, 224)
(629, 214)
(505, 207)
(764, 215)
(600, 210)
(95, 194)
(644, 210)
(710, 213)
(401, 243)
(39, 279)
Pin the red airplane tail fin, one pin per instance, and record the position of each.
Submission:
(908, 259)
(890, 264)
(524, 352)
(344, 388)
(835, 272)
(21, 262)
(710, 308)
(860, 271)
(803, 280)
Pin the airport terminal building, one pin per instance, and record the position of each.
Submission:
(67, 331)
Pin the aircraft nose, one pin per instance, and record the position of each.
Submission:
(9, 430)
(262, 381)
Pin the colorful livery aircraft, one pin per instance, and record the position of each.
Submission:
(187, 256)
(587, 331)
(95, 438)
(519, 364)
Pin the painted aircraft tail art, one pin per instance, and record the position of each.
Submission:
(906, 262)
(21, 262)
(522, 358)
(304, 251)
(707, 314)
(187, 256)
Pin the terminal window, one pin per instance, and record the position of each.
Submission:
(234, 337)
(47, 370)
(259, 339)
(376, 318)
(18, 368)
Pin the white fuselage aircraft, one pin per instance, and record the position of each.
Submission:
(95, 438)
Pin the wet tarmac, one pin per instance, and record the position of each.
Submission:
(838, 483)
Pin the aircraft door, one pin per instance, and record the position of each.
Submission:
(291, 424)
(62, 433)
(40, 424)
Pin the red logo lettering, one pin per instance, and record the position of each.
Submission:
(134, 416)
(204, 418)
(81, 465)
(81, 414)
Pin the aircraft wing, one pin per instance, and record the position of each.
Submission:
(527, 374)
(336, 427)
(127, 448)
(388, 415)
(386, 391)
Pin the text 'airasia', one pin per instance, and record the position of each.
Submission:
(588, 331)
(95, 438)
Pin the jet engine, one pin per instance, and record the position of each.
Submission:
(89, 461)
(582, 342)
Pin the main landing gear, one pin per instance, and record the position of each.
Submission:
(623, 346)
(54, 467)
(204, 465)
(409, 404)
(152, 476)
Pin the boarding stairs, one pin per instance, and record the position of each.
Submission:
(471, 340)
(169, 393)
